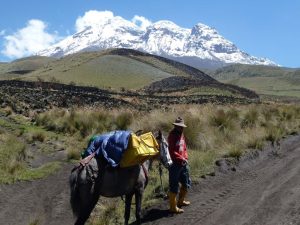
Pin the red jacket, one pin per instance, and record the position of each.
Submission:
(177, 147)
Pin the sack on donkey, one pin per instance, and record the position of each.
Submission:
(140, 149)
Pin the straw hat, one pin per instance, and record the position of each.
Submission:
(179, 122)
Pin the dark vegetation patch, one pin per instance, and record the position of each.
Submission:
(173, 84)
(23, 96)
(20, 72)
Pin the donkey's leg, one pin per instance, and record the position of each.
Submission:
(89, 200)
(138, 206)
(128, 199)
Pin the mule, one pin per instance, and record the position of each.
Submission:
(89, 182)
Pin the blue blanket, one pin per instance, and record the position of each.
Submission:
(111, 146)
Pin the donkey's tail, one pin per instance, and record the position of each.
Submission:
(75, 196)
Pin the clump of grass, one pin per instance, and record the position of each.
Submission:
(123, 120)
(250, 118)
(235, 152)
(201, 163)
(73, 153)
(287, 113)
(192, 132)
(255, 143)
(111, 213)
(274, 133)
(35, 136)
(222, 120)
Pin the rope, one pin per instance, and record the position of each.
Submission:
(162, 193)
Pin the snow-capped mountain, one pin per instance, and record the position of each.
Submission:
(201, 46)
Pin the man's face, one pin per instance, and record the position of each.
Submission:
(179, 129)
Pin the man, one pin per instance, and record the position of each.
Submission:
(178, 172)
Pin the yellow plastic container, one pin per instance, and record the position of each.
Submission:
(140, 149)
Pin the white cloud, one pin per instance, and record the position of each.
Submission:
(141, 22)
(2, 32)
(91, 18)
(28, 40)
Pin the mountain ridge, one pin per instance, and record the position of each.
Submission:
(200, 45)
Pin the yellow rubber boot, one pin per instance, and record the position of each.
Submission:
(181, 200)
(173, 205)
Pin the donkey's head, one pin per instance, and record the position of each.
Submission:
(164, 154)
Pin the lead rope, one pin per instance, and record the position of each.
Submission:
(162, 192)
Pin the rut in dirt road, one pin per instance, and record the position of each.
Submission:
(263, 191)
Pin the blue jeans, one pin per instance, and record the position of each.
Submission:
(179, 174)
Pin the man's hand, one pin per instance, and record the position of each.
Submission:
(184, 162)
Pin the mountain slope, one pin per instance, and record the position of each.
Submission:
(114, 68)
(121, 69)
(201, 46)
(261, 79)
(23, 66)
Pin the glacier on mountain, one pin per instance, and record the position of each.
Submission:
(201, 46)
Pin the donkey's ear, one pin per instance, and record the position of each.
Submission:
(159, 133)
(139, 132)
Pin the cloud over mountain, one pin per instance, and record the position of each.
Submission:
(28, 40)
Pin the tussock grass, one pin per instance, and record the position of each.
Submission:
(35, 136)
(213, 132)
(73, 153)
(83, 121)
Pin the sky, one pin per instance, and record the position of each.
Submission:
(262, 28)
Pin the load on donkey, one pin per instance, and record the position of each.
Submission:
(115, 164)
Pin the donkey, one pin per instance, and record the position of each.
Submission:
(88, 182)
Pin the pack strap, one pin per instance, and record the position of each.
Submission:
(84, 162)
(146, 174)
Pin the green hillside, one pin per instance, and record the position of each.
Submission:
(122, 69)
(265, 80)
(102, 71)
(114, 68)
(23, 66)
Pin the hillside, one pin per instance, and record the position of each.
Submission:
(23, 66)
(125, 69)
(264, 80)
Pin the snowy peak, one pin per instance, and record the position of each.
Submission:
(102, 30)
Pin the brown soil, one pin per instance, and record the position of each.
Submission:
(45, 201)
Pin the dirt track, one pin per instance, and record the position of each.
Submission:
(264, 190)
(45, 201)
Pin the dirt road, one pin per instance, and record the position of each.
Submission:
(44, 201)
(264, 190)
